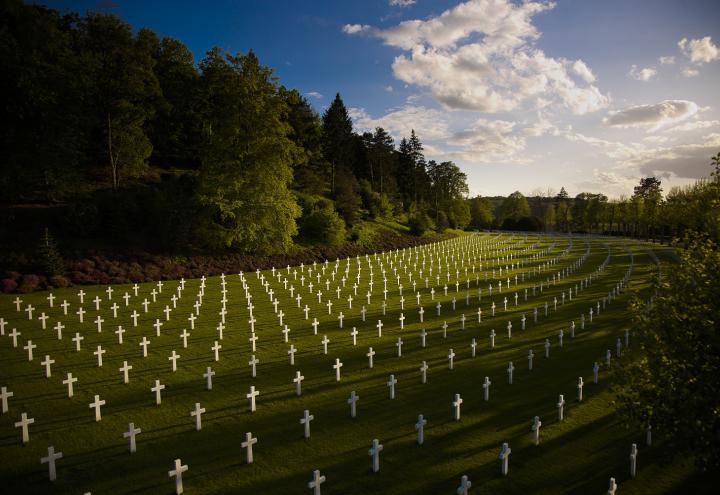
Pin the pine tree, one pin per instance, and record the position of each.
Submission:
(337, 138)
(50, 260)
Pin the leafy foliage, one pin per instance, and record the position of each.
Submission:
(419, 223)
(246, 157)
(133, 142)
(674, 386)
(324, 225)
(514, 207)
(481, 213)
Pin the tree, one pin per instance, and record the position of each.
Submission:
(310, 165)
(246, 156)
(481, 213)
(673, 385)
(447, 184)
(347, 201)
(176, 128)
(49, 258)
(650, 192)
(381, 158)
(412, 171)
(125, 91)
(43, 132)
(514, 207)
(459, 213)
(337, 138)
(420, 181)
(549, 217)
(587, 210)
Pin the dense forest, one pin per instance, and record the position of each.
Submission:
(126, 136)
(118, 137)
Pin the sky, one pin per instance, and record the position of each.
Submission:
(521, 95)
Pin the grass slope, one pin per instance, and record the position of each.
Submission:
(577, 455)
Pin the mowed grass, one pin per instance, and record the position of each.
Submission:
(578, 455)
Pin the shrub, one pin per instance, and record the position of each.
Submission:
(509, 224)
(8, 285)
(442, 221)
(324, 225)
(29, 283)
(418, 222)
(363, 236)
(59, 281)
(529, 224)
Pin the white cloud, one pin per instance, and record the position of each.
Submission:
(655, 139)
(612, 178)
(314, 94)
(428, 123)
(690, 160)
(613, 149)
(700, 51)
(355, 28)
(652, 116)
(687, 160)
(541, 127)
(583, 71)
(480, 56)
(688, 72)
(389, 88)
(488, 141)
(483, 141)
(669, 60)
(642, 74)
(401, 3)
(692, 126)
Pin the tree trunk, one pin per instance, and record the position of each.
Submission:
(113, 163)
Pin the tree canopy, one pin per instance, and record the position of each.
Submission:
(673, 386)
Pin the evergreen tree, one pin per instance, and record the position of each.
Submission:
(51, 262)
(337, 138)
(310, 165)
(380, 153)
(420, 181)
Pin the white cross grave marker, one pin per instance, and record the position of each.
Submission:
(131, 433)
(50, 461)
(177, 474)
(374, 452)
(248, 445)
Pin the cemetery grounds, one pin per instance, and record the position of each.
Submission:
(576, 455)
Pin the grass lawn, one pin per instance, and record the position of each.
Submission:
(577, 455)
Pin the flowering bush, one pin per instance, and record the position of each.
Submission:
(138, 267)
(29, 283)
(8, 285)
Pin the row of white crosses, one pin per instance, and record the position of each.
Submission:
(174, 357)
(216, 347)
(70, 380)
(97, 403)
(325, 341)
